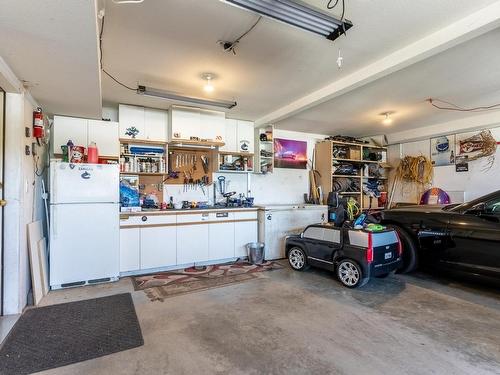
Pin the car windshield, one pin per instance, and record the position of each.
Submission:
(465, 206)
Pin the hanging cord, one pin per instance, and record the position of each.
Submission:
(231, 46)
(454, 107)
(331, 6)
(100, 59)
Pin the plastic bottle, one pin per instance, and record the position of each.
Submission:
(92, 154)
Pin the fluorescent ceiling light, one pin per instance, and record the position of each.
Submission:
(157, 93)
(297, 14)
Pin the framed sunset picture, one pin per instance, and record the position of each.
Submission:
(290, 154)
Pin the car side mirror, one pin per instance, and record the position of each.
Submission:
(477, 210)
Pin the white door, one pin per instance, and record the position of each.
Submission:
(220, 241)
(2, 201)
(231, 136)
(158, 247)
(84, 242)
(129, 249)
(155, 122)
(245, 232)
(69, 128)
(84, 183)
(212, 125)
(192, 243)
(131, 122)
(184, 123)
(246, 136)
(105, 134)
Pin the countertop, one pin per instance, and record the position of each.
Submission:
(188, 210)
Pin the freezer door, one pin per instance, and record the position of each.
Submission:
(84, 183)
(84, 242)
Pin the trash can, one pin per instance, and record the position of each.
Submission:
(255, 251)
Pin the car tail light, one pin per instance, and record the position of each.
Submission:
(369, 250)
(400, 245)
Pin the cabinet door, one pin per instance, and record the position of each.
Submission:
(184, 123)
(220, 241)
(192, 243)
(66, 128)
(244, 232)
(105, 135)
(212, 126)
(131, 122)
(129, 249)
(231, 136)
(158, 247)
(155, 121)
(245, 142)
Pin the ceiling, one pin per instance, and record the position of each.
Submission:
(169, 44)
(52, 44)
(466, 75)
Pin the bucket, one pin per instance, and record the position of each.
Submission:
(255, 251)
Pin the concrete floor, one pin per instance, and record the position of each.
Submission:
(306, 323)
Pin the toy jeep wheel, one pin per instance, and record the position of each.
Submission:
(297, 259)
(350, 274)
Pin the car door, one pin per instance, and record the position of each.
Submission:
(322, 243)
(475, 235)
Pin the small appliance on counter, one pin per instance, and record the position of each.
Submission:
(84, 224)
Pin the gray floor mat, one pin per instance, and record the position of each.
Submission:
(58, 335)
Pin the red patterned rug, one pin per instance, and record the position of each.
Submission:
(166, 284)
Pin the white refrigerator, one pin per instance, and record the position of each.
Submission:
(84, 224)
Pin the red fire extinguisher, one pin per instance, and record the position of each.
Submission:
(38, 127)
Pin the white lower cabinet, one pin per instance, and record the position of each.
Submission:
(220, 240)
(158, 247)
(192, 243)
(244, 232)
(129, 249)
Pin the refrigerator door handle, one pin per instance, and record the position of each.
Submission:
(53, 225)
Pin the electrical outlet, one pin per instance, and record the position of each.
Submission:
(27, 150)
(27, 132)
(33, 148)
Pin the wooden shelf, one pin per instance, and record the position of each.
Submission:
(131, 140)
(347, 175)
(188, 142)
(232, 171)
(375, 178)
(237, 153)
(143, 174)
(349, 192)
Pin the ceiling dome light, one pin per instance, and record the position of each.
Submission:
(387, 118)
(208, 77)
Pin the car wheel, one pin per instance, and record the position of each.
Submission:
(350, 274)
(410, 251)
(297, 259)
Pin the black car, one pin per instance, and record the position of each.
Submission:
(464, 238)
(354, 255)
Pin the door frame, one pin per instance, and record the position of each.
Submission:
(2, 196)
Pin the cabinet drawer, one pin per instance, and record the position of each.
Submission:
(145, 220)
(193, 218)
(250, 215)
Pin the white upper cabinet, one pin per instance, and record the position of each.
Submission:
(184, 123)
(66, 128)
(82, 131)
(239, 136)
(245, 136)
(155, 121)
(212, 126)
(131, 120)
(141, 123)
(105, 135)
(231, 135)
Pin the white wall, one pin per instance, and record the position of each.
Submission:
(22, 192)
(283, 186)
(474, 183)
